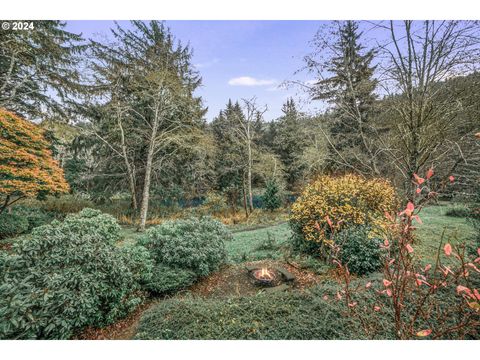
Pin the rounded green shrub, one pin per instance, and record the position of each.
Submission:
(166, 279)
(359, 250)
(195, 244)
(65, 276)
(90, 221)
(12, 225)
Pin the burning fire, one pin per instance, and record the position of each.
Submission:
(265, 274)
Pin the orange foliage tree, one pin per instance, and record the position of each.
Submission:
(27, 167)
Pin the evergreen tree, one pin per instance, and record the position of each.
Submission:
(271, 198)
(39, 69)
(230, 162)
(152, 119)
(289, 142)
(350, 89)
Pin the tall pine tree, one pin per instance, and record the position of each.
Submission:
(350, 89)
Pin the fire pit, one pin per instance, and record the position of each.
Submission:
(265, 277)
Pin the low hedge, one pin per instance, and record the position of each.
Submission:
(282, 316)
(306, 315)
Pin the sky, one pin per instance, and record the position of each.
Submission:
(238, 59)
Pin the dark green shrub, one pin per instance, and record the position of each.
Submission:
(359, 250)
(191, 244)
(35, 216)
(63, 277)
(167, 279)
(12, 225)
(90, 221)
(271, 198)
(139, 261)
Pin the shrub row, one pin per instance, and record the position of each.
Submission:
(68, 275)
(22, 220)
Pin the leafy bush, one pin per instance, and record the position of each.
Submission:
(271, 198)
(140, 263)
(346, 201)
(191, 244)
(90, 221)
(35, 216)
(12, 225)
(314, 314)
(359, 250)
(63, 277)
(166, 279)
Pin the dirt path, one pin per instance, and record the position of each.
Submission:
(121, 330)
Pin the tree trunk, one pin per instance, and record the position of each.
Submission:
(131, 175)
(148, 174)
(245, 199)
(249, 179)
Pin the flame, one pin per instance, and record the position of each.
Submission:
(265, 274)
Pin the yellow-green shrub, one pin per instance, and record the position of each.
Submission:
(347, 200)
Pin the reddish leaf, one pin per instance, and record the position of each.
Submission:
(418, 179)
(409, 248)
(424, 333)
(448, 249)
(429, 173)
(417, 218)
(368, 285)
(451, 178)
(461, 289)
(419, 190)
(386, 282)
(376, 308)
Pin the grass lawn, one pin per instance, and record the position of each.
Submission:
(437, 227)
(259, 244)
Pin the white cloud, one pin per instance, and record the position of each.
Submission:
(250, 81)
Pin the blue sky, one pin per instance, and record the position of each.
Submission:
(237, 59)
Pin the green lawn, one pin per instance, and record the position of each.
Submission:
(265, 243)
(436, 228)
